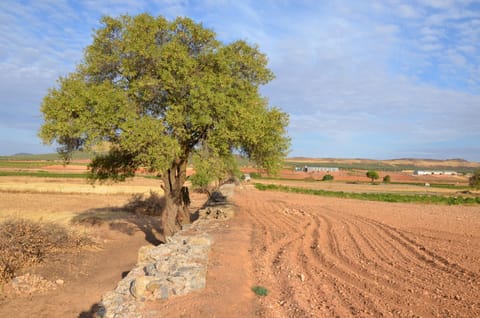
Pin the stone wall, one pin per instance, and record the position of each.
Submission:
(175, 268)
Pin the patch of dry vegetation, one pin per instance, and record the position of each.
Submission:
(24, 243)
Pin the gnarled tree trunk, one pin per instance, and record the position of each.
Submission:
(176, 198)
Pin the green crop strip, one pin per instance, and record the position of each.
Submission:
(384, 197)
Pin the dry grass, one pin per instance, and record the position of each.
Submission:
(70, 186)
(24, 243)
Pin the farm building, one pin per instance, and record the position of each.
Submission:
(320, 169)
(434, 172)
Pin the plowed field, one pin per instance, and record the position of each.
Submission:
(323, 257)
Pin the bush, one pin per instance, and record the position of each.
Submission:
(387, 179)
(327, 177)
(260, 290)
(255, 175)
(25, 243)
(474, 180)
(372, 174)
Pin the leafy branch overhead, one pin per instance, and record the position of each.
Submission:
(158, 91)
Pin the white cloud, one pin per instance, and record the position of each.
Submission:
(407, 11)
(404, 73)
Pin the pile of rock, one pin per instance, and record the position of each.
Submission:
(216, 212)
(175, 268)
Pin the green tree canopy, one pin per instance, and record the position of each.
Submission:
(372, 174)
(157, 91)
(474, 180)
(327, 177)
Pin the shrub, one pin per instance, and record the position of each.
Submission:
(260, 290)
(24, 243)
(255, 175)
(327, 177)
(372, 174)
(387, 179)
(474, 180)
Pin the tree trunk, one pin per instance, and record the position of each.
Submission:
(176, 198)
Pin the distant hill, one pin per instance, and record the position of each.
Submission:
(22, 154)
(459, 165)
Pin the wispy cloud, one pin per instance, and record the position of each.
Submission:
(360, 79)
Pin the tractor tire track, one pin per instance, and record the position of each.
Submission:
(322, 260)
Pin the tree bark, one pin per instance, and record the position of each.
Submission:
(176, 198)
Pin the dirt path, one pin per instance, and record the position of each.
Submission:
(229, 278)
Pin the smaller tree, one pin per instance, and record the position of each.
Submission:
(474, 180)
(387, 179)
(211, 169)
(327, 177)
(372, 174)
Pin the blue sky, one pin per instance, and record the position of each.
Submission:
(360, 79)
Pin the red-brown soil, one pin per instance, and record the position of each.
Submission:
(87, 275)
(325, 257)
(318, 257)
(360, 176)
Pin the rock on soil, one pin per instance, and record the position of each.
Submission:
(175, 268)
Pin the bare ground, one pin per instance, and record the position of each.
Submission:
(326, 257)
(318, 257)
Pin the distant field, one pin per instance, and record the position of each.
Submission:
(46, 157)
(366, 187)
(460, 166)
(353, 183)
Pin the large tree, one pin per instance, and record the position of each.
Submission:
(158, 91)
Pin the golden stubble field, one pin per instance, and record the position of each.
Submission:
(59, 199)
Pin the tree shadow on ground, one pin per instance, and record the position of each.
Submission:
(140, 213)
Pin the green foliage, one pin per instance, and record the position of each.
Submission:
(211, 169)
(474, 180)
(372, 174)
(255, 175)
(387, 179)
(327, 177)
(260, 290)
(154, 90)
(385, 197)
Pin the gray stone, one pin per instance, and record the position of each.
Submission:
(143, 254)
(139, 286)
(153, 285)
(150, 269)
(175, 268)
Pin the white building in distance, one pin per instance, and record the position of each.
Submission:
(434, 172)
(320, 169)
